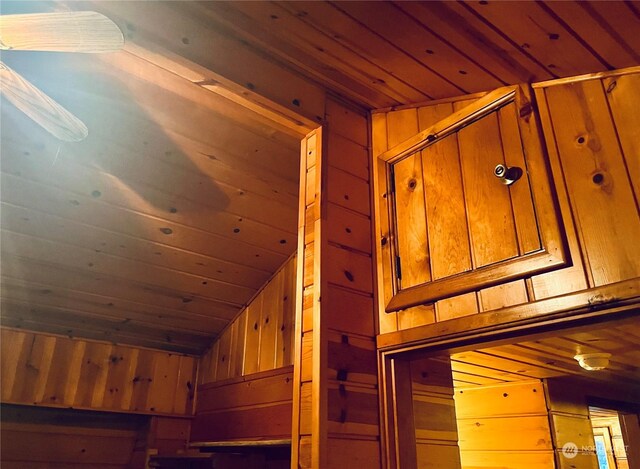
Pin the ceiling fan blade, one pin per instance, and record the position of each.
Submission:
(54, 118)
(73, 31)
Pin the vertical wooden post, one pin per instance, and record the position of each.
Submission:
(335, 417)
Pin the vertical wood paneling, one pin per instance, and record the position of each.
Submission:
(185, 386)
(224, 352)
(252, 342)
(165, 379)
(449, 245)
(412, 242)
(93, 375)
(602, 200)
(260, 338)
(286, 316)
(382, 238)
(488, 203)
(46, 370)
(622, 95)
(521, 198)
(11, 347)
(142, 381)
(413, 248)
(271, 308)
(444, 194)
(591, 129)
(240, 344)
(123, 361)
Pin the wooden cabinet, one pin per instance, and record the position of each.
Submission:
(468, 202)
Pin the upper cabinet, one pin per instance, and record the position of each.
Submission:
(465, 202)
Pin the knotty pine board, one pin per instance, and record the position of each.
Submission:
(260, 338)
(605, 213)
(47, 370)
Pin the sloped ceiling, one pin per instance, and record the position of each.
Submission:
(180, 204)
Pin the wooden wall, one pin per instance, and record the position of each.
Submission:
(504, 426)
(47, 370)
(434, 414)
(260, 338)
(335, 420)
(568, 402)
(257, 406)
(591, 132)
(39, 437)
(52, 437)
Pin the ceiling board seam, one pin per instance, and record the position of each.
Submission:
(610, 30)
(29, 285)
(144, 215)
(449, 44)
(575, 35)
(507, 38)
(401, 51)
(191, 296)
(373, 63)
(91, 251)
(117, 319)
(124, 235)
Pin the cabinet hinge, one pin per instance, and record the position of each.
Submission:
(398, 268)
(392, 177)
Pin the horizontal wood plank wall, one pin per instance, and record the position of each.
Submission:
(504, 426)
(257, 406)
(568, 401)
(336, 421)
(434, 414)
(43, 438)
(47, 370)
(260, 338)
(168, 435)
(590, 128)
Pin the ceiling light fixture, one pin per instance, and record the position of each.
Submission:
(593, 361)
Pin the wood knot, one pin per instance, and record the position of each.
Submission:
(412, 184)
(349, 275)
(598, 178)
(525, 111)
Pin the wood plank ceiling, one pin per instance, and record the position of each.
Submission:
(390, 53)
(552, 355)
(180, 204)
(158, 227)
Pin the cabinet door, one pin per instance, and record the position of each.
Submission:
(470, 204)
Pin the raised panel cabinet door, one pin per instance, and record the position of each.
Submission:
(470, 205)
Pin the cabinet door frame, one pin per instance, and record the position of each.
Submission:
(554, 253)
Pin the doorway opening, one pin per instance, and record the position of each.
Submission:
(518, 403)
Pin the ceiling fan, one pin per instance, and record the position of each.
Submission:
(77, 31)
